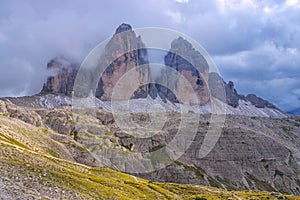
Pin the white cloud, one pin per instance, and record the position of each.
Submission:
(176, 17)
(182, 1)
(292, 2)
(267, 9)
(227, 5)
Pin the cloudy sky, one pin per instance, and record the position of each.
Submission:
(254, 43)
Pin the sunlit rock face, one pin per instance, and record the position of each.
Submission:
(130, 53)
(124, 52)
(193, 70)
(123, 57)
(127, 75)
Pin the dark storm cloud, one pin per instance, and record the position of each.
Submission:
(269, 71)
(254, 43)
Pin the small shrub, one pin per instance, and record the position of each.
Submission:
(6, 114)
(200, 198)
(44, 130)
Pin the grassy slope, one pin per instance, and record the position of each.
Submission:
(33, 166)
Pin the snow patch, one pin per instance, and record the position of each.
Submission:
(149, 105)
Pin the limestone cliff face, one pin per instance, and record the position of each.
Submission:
(123, 57)
(227, 93)
(223, 91)
(232, 97)
(61, 78)
(130, 53)
(183, 58)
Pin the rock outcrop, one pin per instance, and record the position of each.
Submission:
(232, 97)
(222, 90)
(61, 78)
(257, 101)
(125, 51)
(227, 93)
(183, 58)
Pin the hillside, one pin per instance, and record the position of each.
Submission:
(39, 161)
(35, 166)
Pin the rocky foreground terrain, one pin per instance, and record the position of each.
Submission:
(50, 153)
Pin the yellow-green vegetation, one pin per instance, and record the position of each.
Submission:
(34, 165)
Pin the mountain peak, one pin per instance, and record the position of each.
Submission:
(123, 27)
(61, 77)
(182, 57)
(181, 43)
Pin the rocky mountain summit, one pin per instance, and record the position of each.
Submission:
(62, 76)
(183, 58)
(126, 51)
(123, 52)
